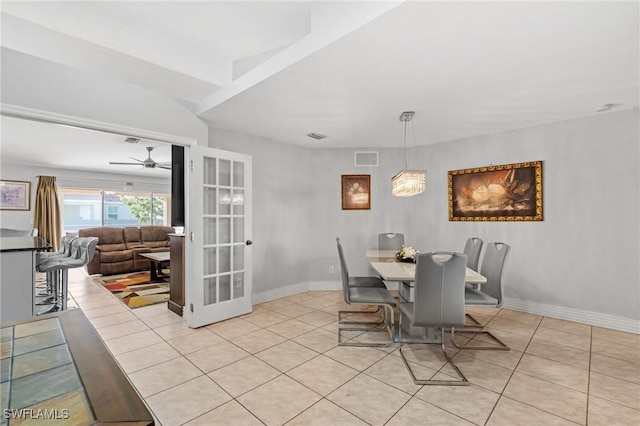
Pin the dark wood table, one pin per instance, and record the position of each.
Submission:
(58, 363)
(158, 260)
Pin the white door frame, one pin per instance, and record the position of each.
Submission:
(101, 126)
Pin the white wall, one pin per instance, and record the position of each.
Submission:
(282, 190)
(584, 255)
(70, 179)
(580, 263)
(39, 84)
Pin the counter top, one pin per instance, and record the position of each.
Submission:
(23, 244)
(58, 363)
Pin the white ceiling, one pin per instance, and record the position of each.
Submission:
(347, 69)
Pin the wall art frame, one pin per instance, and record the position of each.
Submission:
(15, 195)
(356, 192)
(507, 192)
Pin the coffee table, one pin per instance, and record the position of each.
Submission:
(158, 260)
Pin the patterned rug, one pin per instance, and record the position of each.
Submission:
(135, 290)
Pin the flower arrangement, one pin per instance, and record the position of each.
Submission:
(407, 254)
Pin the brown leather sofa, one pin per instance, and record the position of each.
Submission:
(118, 250)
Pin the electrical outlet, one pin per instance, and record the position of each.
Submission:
(331, 269)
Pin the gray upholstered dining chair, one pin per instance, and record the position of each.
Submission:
(491, 293)
(438, 302)
(357, 281)
(375, 294)
(390, 241)
(472, 249)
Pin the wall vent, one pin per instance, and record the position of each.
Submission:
(317, 136)
(366, 158)
(132, 140)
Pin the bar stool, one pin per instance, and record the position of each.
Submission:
(65, 251)
(72, 250)
(85, 248)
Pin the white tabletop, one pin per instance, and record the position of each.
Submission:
(386, 264)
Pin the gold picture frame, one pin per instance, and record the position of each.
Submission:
(356, 192)
(15, 195)
(508, 192)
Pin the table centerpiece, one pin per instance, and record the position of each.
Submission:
(407, 254)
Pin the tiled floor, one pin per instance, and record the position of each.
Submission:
(281, 365)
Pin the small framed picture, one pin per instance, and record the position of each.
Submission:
(356, 192)
(15, 195)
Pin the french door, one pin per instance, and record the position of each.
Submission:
(219, 285)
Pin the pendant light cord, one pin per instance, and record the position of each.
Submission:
(405, 145)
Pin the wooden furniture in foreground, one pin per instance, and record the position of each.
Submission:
(59, 365)
(176, 286)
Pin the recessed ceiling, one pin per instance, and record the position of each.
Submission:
(347, 70)
(27, 142)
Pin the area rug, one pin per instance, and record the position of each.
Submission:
(135, 290)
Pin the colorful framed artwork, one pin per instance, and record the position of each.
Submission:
(356, 192)
(15, 195)
(509, 192)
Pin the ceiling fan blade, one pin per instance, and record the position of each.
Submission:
(124, 164)
(163, 167)
(137, 159)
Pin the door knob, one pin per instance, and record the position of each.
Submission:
(248, 242)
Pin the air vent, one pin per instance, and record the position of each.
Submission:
(132, 140)
(317, 136)
(366, 158)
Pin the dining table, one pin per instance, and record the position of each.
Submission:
(389, 268)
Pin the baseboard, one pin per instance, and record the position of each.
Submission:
(325, 285)
(575, 315)
(277, 293)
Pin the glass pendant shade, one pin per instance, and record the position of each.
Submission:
(408, 183)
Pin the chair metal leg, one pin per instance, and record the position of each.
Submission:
(369, 326)
(417, 381)
(479, 329)
(341, 321)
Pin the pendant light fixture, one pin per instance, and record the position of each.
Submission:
(408, 183)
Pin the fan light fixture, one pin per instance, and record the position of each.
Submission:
(408, 183)
(148, 163)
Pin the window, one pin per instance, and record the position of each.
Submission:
(82, 208)
(112, 212)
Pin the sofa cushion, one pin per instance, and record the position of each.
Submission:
(116, 256)
(132, 237)
(111, 247)
(155, 236)
(106, 235)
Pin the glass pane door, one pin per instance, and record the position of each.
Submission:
(223, 216)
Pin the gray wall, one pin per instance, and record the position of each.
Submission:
(584, 255)
(35, 83)
(282, 193)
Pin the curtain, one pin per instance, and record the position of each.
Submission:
(47, 211)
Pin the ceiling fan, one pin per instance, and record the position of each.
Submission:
(148, 163)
